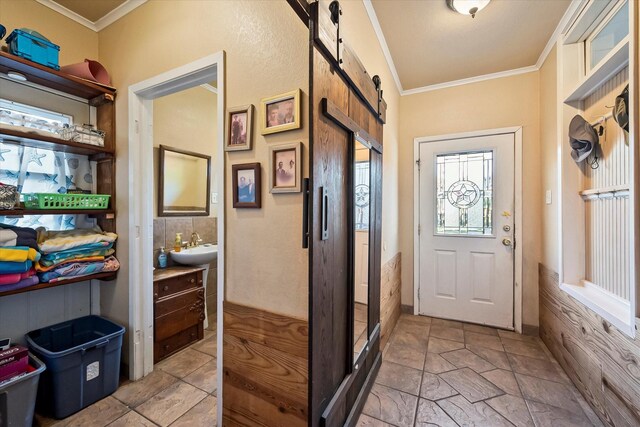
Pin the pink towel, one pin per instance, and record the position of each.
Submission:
(12, 278)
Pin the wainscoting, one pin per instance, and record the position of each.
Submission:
(390, 280)
(602, 362)
(265, 368)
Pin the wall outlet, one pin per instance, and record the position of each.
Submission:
(548, 197)
(214, 197)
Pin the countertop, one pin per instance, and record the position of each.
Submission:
(175, 271)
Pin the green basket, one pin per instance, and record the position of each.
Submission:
(66, 201)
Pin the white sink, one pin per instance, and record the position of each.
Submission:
(199, 255)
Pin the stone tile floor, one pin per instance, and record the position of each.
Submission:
(180, 392)
(439, 372)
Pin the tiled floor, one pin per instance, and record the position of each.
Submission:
(180, 392)
(443, 373)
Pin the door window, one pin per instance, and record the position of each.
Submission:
(464, 193)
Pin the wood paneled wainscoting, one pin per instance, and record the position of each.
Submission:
(265, 365)
(602, 362)
(390, 281)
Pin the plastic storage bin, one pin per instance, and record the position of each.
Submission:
(65, 201)
(34, 48)
(83, 363)
(18, 396)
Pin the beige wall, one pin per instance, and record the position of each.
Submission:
(187, 120)
(498, 103)
(76, 41)
(549, 159)
(359, 33)
(266, 54)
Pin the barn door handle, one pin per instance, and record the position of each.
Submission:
(325, 214)
(305, 213)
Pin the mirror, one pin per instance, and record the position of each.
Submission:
(361, 179)
(183, 183)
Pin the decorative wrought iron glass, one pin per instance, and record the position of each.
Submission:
(464, 193)
(362, 195)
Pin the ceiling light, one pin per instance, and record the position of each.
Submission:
(467, 7)
(14, 75)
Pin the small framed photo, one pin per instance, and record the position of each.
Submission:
(246, 185)
(286, 168)
(280, 113)
(239, 128)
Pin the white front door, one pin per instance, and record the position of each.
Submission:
(362, 267)
(466, 217)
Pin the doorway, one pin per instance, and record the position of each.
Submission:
(204, 71)
(467, 261)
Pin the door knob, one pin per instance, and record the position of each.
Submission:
(506, 242)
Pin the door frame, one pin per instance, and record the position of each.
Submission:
(140, 163)
(518, 277)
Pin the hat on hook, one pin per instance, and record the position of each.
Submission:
(582, 138)
(620, 109)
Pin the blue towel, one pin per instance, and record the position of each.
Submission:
(15, 267)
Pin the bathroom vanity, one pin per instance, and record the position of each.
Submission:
(179, 309)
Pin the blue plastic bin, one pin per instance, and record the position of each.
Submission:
(83, 363)
(33, 48)
(18, 396)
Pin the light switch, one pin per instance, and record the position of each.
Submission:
(214, 197)
(548, 197)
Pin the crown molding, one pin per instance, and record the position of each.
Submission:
(568, 17)
(383, 42)
(484, 77)
(101, 23)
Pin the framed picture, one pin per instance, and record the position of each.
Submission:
(239, 128)
(286, 169)
(246, 185)
(280, 113)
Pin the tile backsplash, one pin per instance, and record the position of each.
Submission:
(164, 234)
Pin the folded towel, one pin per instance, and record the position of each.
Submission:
(15, 267)
(18, 254)
(111, 264)
(10, 279)
(18, 236)
(55, 241)
(58, 258)
(72, 270)
(33, 280)
(42, 269)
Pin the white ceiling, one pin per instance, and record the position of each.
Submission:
(93, 14)
(429, 44)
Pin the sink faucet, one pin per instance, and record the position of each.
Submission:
(195, 240)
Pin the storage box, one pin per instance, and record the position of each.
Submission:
(83, 363)
(9, 196)
(33, 48)
(13, 361)
(65, 201)
(18, 396)
(85, 134)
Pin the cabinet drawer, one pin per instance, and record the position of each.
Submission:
(176, 342)
(163, 288)
(179, 320)
(176, 302)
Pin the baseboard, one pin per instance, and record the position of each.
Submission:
(406, 309)
(531, 330)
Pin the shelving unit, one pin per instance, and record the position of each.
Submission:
(95, 95)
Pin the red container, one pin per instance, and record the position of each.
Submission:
(14, 361)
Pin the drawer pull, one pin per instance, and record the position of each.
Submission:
(200, 281)
(166, 288)
(167, 346)
(192, 281)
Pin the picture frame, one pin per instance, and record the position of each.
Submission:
(246, 185)
(239, 128)
(285, 172)
(280, 113)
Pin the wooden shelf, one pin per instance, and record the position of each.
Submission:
(52, 143)
(615, 61)
(57, 80)
(109, 275)
(22, 212)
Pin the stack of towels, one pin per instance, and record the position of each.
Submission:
(75, 253)
(18, 254)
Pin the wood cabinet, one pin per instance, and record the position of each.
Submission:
(178, 303)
